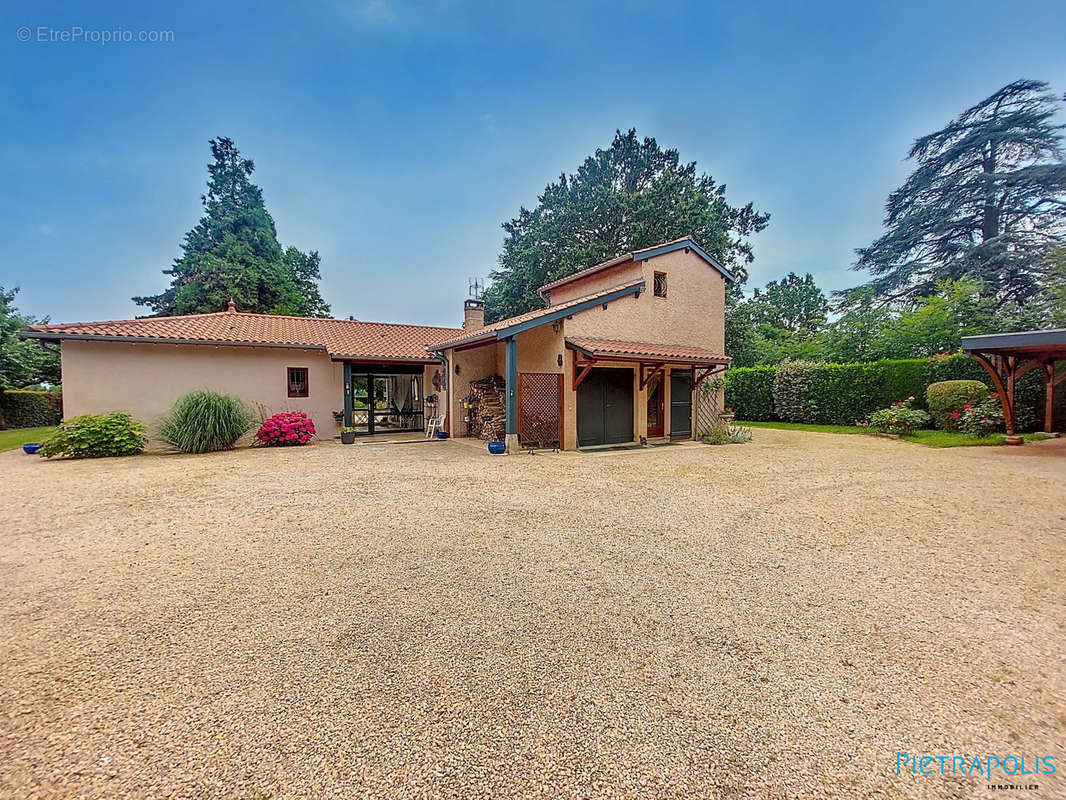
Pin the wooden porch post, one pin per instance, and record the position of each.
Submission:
(1006, 399)
(511, 388)
(347, 394)
(1049, 395)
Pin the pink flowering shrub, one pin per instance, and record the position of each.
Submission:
(286, 428)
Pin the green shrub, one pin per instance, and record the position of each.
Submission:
(749, 391)
(946, 399)
(840, 394)
(793, 399)
(203, 421)
(900, 417)
(96, 436)
(982, 419)
(31, 409)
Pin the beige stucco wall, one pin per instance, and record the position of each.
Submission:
(594, 283)
(146, 379)
(692, 313)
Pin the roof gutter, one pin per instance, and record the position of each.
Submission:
(56, 336)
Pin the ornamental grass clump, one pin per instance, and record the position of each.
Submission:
(899, 418)
(285, 429)
(204, 421)
(97, 436)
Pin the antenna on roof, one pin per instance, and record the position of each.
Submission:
(476, 287)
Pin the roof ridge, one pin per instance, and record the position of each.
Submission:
(504, 323)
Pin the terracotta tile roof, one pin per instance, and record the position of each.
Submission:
(635, 255)
(478, 333)
(338, 337)
(678, 353)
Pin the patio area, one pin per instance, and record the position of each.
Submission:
(776, 619)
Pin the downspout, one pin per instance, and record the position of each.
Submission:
(447, 386)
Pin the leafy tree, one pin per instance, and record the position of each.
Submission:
(987, 199)
(632, 195)
(233, 252)
(856, 334)
(937, 323)
(779, 322)
(23, 362)
(1054, 312)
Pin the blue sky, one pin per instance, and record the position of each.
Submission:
(395, 137)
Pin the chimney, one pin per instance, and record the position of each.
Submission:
(473, 314)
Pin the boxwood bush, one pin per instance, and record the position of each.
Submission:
(96, 436)
(946, 401)
(30, 409)
(203, 421)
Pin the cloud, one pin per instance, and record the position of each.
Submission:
(377, 11)
(45, 230)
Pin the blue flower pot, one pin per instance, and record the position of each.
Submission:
(497, 448)
(31, 447)
(442, 434)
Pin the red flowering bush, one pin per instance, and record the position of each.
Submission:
(982, 419)
(286, 428)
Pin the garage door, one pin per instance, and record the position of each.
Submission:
(680, 404)
(605, 407)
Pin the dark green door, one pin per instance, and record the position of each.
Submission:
(680, 404)
(605, 407)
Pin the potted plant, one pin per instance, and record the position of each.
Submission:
(431, 400)
(338, 417)
(348, 435)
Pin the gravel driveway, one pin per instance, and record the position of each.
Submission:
(770, 620)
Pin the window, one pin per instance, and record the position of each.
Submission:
(297, 381)
(660, 284)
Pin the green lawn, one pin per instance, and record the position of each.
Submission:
(928, 438)
(16, 437)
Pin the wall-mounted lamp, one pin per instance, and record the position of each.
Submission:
(456, 369)
(557, 326)
(559, 359)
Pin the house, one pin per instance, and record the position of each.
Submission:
(616, 354)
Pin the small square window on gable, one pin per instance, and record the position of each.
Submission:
(660, 284)
(298, 382)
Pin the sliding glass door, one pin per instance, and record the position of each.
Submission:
(384, 402)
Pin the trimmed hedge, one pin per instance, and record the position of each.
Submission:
(750, 392)
(30, 409)
(842, 394)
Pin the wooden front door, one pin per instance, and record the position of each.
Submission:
(655, 407)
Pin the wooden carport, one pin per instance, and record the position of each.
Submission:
(1008, 356)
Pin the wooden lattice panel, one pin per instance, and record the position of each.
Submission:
(707, 411)
(540, 409)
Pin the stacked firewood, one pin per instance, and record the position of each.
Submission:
(485, 409)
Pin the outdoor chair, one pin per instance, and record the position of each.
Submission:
(433, 425)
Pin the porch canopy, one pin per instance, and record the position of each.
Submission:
(1008, 356)
(652, 358)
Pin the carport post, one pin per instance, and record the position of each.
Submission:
(511, 387)
(347, 394)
